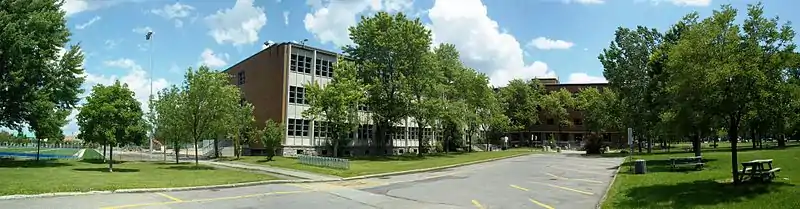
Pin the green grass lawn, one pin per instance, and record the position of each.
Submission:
(31, 177)
(711, 187)
(91, 154)
(374, 165)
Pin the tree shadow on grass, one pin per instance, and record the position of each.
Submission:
(105, 170)
(42, 163)
(664, 165)
(694, 194)
(190, 167)
(100, 161)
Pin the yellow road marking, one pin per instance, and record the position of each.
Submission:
(541, 204)
(169, 197)
(565, 188)
(477, 204)
(565, 178)
(206, 200)
(519, 187)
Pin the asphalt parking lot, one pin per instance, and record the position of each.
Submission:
(533, 181)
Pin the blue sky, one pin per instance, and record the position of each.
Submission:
(505, 39)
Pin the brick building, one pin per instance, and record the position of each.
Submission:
(273, 79)
(572, 135)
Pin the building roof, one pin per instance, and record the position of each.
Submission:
(278, 45)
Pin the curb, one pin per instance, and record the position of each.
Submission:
(248, 167)
(610, 184)
(432, 169)
(143, 190)
(256, 183)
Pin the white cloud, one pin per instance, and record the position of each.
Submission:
(482, 45)
(173, 68)
(87, 23)
(238, 25)
(110, 44)
(331, 18)
(136, 77)
(586, 1)
(585, 49)
(176, 12)
(695, 3)
(210, 59)
(547, 44)
(585, 78)
(286, 17)
(72, 7)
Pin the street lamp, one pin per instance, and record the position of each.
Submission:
(149, 37)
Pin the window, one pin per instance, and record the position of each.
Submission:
(323, 68)
(412, 132)
(318, 67)
(299, 152)
(577, 121)
(297, 95)
(320, 129)
(550, 121)
(300, 64)
(298, 127)
(330, 69)
(240, 76)
(365, 131)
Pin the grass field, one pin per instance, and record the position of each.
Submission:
(711, 187)
(31, 177)
(46, 151)
(375, 165)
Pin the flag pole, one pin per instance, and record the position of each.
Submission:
(149, 38)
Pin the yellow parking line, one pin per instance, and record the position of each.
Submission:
(519, 187)
(169, 197)
(565, 188)
(541, 204)
(206, 200)
(477, 204)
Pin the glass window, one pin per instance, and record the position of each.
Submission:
(292, 94)
(306, 124)
(290, 127)
(293, 63)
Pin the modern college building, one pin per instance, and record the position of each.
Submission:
(273, 79)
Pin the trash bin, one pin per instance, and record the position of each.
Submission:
(640, 167)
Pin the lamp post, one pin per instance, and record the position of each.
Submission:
(149, 38)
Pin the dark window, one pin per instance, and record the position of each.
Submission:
(550, 121)
(324, 152)
(241, 77)
(297, 95)
(330, 69)
(290, 127)
(320, 129)
(577, 121)
(324, 67)
(306, 124)
(299, 152)
(318, 67)
(292, 94)
(307, 65)
(293, 63)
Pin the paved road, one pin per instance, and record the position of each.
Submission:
(535, 181)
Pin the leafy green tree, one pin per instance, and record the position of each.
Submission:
(241, 117)
(271, 136)
(386, 49)
(112, 116)
(32, 67)
(171, 126)
(426, 90)
(520, 101)
(626, 66)
(46, 122)
(337, 104)
(556, 105)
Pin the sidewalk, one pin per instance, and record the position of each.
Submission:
(270, 169)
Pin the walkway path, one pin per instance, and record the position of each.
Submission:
(270, 169)
(533, 181)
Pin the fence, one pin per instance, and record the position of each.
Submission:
(329, 162)
(43, 145)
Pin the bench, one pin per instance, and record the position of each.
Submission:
(687, 162)
(756, 169)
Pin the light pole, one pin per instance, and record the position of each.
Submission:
(149, 38)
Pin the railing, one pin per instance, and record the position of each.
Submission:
(329, 162)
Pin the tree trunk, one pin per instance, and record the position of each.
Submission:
(733, 131)
(177, 150)
(336, 148)
(216, 147)
(696, 144)
(104, 151)
(110, 159)
(650, 144)
(469, 142)
(782, 141)
(38, 147)
(753, 138)
(420, 140)
(196, 154)
(237, 148)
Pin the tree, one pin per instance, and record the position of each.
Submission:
(386, 49)
(31, 67)
(241, 117)
(112, 116)
(426, 90)
(626, 66)
(556, 106)
(272, 135)
(337, 104)
(46, 122)
(171, 126)
(520, 102)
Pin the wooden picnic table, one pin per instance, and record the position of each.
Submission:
(694, 161)
(758, 169)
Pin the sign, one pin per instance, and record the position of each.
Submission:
(630, 136)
